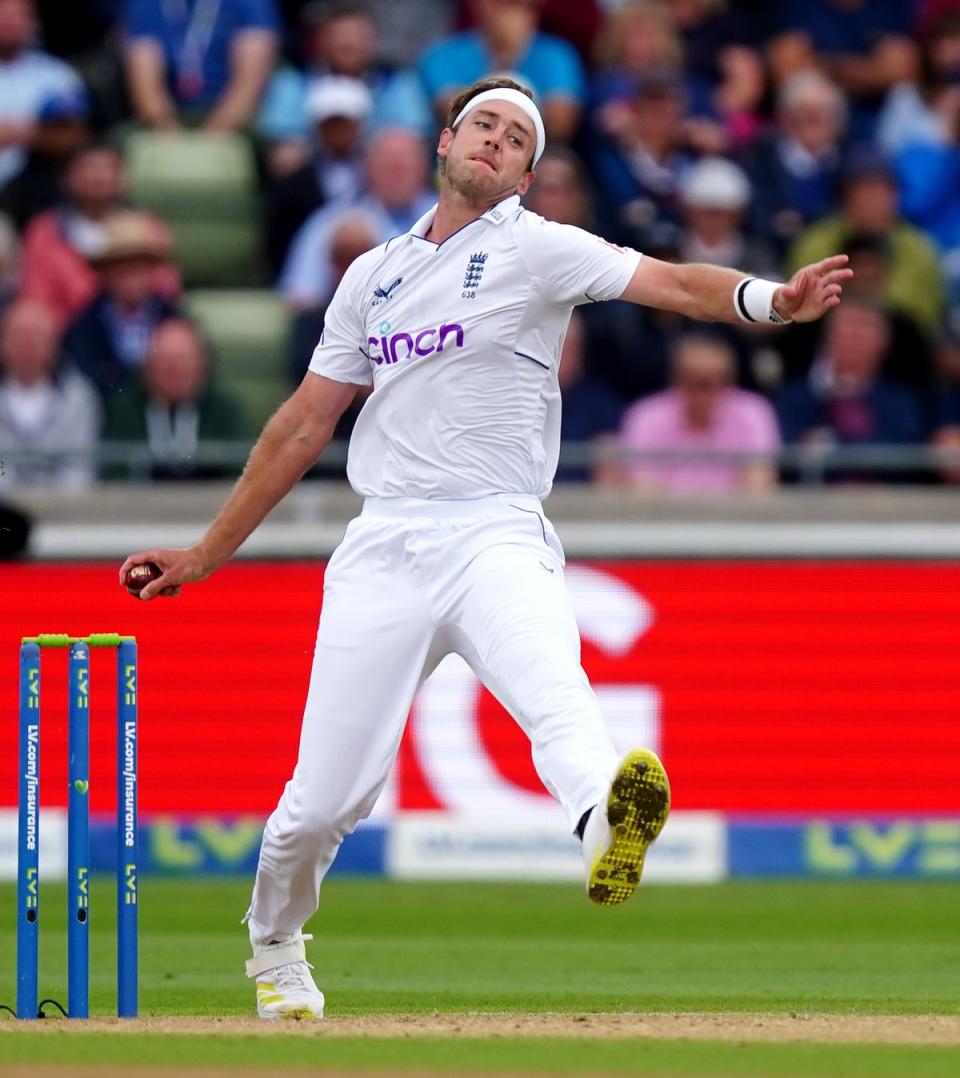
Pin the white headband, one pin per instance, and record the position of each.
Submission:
(515, 98)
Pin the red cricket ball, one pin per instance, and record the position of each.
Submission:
(140, 576)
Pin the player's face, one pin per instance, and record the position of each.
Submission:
(488, 157)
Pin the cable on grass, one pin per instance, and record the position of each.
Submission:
(44, 1002)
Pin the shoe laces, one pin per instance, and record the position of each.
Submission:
(294, 977)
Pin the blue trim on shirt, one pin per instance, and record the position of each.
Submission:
(546, 366)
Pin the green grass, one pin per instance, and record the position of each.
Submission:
(402, 947)
(474, 1056)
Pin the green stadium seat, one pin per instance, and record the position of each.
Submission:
(260, 397)
(205, 187)
(250, 331)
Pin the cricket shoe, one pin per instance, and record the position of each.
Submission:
(619, 831)
(285, 986)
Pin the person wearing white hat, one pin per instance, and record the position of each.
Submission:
(714, 197)
(329, 170)
(458, 325)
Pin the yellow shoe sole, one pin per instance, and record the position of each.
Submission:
(637, 807)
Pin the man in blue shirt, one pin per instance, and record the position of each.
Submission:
(846, 400)
(206, 59)
(507, 41)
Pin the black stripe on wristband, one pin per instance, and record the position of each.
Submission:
(738, 297)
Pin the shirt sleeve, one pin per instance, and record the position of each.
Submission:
(340, 355)
(576, 266)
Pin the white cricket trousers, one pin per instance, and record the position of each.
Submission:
(411, 582)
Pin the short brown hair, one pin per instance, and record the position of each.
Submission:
(462, 99)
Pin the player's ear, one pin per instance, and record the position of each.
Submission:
(446, 137)
(524, 186)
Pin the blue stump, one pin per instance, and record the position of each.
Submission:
(78, 834)
(28, 856)
(127, 837)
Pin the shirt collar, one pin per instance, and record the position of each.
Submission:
(495, 215)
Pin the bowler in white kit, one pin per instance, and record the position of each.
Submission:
(458, 326)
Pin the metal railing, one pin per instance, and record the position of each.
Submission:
(807, 465)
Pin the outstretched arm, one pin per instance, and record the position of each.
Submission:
(709, 292)
(290, 443)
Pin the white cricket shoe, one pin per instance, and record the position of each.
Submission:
(285, 986)
(620, 830)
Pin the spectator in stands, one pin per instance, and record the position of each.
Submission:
(845, 400)
(61, 129)
(702, 413)
(28, 78)
(82, 32)
(639, 164)
(333, 171)
(407, 29)
(202, 62)
(723, 63)
(507, 40)
(928, 151)
(58, 244)
(714, 196)
(577, 23)
(865, 46)
(795, 168)
(947, 433)
(637, 37)
(869, 207)
(172, 407)
(352, 236)
(109, 338)
(562, 191)
(9, 263)
(396, 197)
(341, 38)
(925, 110)
(591, 410)
(49, 413)
(77, 29)
(910, 358)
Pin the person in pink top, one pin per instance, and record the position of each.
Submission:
(701, 413)
(58, 245)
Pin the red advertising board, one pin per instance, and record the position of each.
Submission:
(768, 686)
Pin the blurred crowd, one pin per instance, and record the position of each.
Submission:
(761, 135)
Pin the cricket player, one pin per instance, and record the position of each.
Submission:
(458, 326)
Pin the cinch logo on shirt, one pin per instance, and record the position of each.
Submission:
(404, 345)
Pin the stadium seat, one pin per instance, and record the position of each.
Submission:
(249, 330)
(205, 187)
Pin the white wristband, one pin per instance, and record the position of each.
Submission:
(753, 301)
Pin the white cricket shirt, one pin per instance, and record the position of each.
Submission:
(461, 342)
